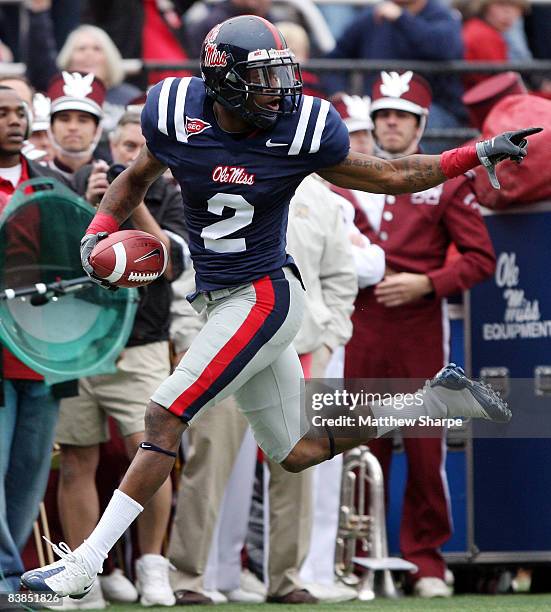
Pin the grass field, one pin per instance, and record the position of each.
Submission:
(460, 603)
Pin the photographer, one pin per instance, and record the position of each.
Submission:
(162, 201)
(141, 367)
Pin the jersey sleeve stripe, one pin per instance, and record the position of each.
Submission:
(296, 145)
(163, 105)
(320, 125)
(179, 117)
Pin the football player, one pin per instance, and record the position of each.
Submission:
(239, 141)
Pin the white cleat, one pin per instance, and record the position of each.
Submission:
(464, 397)
(152, 581)
(68, 576)
(431, 587)
(116, 587)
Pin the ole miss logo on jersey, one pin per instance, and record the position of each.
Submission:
(196, 126)
(232, 174)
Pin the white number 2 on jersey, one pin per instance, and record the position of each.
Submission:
(213, 234)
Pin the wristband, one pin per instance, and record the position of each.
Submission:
(102, 222)
(457, 161)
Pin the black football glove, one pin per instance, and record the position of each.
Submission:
(87, 245)
(509, 145)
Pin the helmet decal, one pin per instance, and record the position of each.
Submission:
(213, 57)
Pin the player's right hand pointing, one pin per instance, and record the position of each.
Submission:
(509, 145)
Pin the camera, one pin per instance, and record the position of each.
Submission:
(113, 171)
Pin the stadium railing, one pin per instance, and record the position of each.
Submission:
(356, 71)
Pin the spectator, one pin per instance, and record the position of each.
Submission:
(75, 119)
(410, 30)
(141, 367)
(157, 33)
(220, 12)
(87, 49)
(29, 409)
(162, 39)
(10, 31)
(354, 111)
(400, 325)
(338, 16)
(538, 29)
(65, 16)
(40, 137)
(21, 85)
(517, 41)
(113, 18)
(483, 33)
(6, 56)
(38, 147)
(25, 90)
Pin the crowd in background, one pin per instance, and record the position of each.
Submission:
(86, 122)
(173, 30)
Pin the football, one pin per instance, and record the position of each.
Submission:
(129, 258)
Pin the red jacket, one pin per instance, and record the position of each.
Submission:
(417, 229)
(13, 368)
(481, 43)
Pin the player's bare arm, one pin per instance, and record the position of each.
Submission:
(124, 196)
(375, 175)
(128, 190)
(418, 172)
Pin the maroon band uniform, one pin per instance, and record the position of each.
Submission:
(412, 341)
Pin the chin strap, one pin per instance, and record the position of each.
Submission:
(156, 449)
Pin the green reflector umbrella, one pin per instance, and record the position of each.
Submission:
(51, 316)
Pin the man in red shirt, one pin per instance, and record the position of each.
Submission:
(401, 328)
(28, 413)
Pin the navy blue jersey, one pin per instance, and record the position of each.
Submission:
(236, 189)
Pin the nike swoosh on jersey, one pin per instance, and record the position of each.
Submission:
(269, 143)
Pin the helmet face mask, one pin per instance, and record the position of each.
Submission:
(258, 84)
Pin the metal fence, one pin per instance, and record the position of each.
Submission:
(357, 70)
